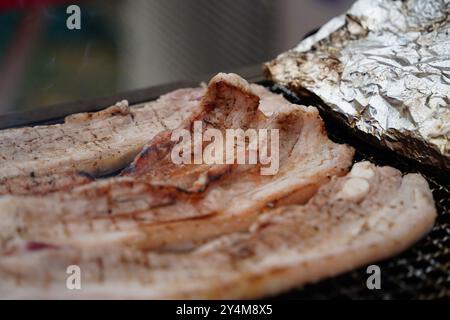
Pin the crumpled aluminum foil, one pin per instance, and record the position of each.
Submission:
(384, 67)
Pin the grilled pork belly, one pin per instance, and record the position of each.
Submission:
(157, 204)
(41, 159)
(370, 214)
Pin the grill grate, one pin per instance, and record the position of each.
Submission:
(421, 272)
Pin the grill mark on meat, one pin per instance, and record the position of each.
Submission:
(65, 228)
(160, 121)
(33, 184)
(101, 276)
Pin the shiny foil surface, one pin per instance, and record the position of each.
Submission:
(384, 69)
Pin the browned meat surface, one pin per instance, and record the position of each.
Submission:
(370, 214)
(38, 160)
(159, 205)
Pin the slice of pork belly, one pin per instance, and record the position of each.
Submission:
(41, 159)
(158, 204)
(368, 215)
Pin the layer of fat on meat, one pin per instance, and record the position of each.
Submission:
(41, 159)
(157, 204)
(285, 247)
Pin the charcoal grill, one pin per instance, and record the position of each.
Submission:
(421, 272)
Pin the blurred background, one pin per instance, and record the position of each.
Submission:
(132, 44)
